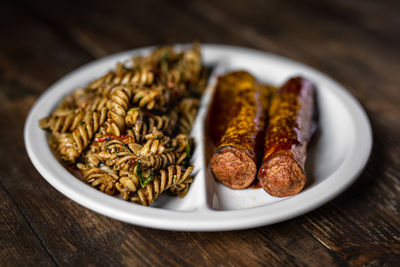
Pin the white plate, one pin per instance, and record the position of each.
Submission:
(335, 160)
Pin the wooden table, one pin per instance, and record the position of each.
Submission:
(355, 42)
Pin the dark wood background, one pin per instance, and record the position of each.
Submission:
(355, 42)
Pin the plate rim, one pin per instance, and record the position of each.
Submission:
(207, 219)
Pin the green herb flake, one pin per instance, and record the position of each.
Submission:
(174, 178)
(188, 148)
(133, 109)
(109, 143)
(165, 57)
(148, 179)
(139, 173)
(82, 123)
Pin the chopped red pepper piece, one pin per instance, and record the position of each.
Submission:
(124, 138)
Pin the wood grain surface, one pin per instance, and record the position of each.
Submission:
(354, 42)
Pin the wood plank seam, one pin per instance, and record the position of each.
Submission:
(59, 30)
(29, 223)
(219, 19)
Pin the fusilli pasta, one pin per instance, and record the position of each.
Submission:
(127, 132)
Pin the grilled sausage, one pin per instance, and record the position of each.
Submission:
(237, 125)
(288, 133)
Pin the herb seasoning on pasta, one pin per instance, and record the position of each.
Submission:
(127, 132)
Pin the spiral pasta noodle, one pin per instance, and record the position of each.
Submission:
(127, 132)
(188, 111)
(72, 144)
(123, 76)
(117, 106)
(104, 178)
(172, 176)
(64, 122)
(182, 188)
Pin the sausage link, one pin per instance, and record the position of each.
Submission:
(290, 128)
(238, 125)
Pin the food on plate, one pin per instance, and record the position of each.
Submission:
(127, 132)
(242, 111)
(237, 123)
(289, 131)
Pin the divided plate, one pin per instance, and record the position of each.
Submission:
(335, 159)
